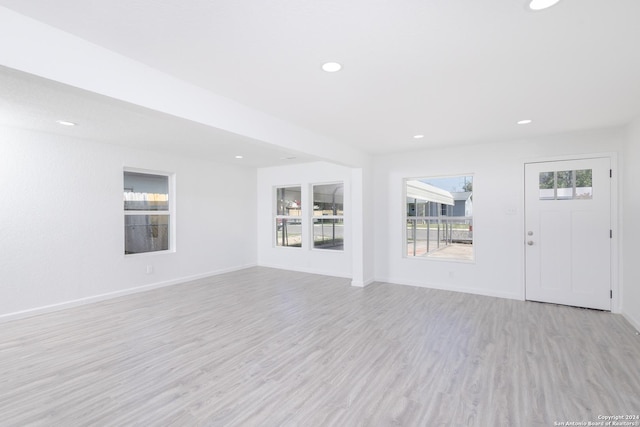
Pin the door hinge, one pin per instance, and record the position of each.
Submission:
(611, 234)
(610, 173)
(611, 294)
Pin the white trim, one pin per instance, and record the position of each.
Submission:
(616, 301)
(566, 157)
(466, 290)
(634, 322)
(146, 171)
(360, 284)
(305, 269)
(102, 297)
(150, 253)
(147, 213)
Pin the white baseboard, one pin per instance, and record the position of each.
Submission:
(634, 322)
(361, 284)
(96, 298)
(474, 291)
(356, 283)
(304, 270)
(129, 291)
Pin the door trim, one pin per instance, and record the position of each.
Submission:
(616, 302)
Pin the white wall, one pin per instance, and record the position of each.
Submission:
(631, 238)
(61, 226)
(362, 226)
(329, 262)
(61, 238)
(498, 184)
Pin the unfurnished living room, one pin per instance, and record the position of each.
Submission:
(319, 213)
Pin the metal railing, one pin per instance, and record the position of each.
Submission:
(430, 233)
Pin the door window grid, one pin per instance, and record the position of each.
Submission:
(566, 185)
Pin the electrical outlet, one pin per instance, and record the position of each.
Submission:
(149, 269)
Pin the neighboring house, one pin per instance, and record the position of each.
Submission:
(463, 203)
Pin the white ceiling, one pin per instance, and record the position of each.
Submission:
(459, 71)
(34, 103)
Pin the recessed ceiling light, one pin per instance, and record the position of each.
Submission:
(524, 122)
(65, 123)
(541, 4)
(418, 136)
(239, 157)
(331, 67)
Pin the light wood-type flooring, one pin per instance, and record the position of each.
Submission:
(265, 347)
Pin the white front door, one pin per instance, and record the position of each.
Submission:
(568, 232)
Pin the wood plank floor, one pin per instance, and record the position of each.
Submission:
(265, 347)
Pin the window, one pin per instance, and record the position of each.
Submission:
(288, 220)
(146, 212)
(566, 185)
(328, 216)
(439, 218)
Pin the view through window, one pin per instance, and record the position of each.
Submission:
(328, 216)
(146, 212)
(439, 218)
(288, 219)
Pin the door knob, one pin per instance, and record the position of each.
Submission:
(530, 243)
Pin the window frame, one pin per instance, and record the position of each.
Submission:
(276, 217)
(574, 186)
(169, 212)
(313, 217)
(406, 217)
